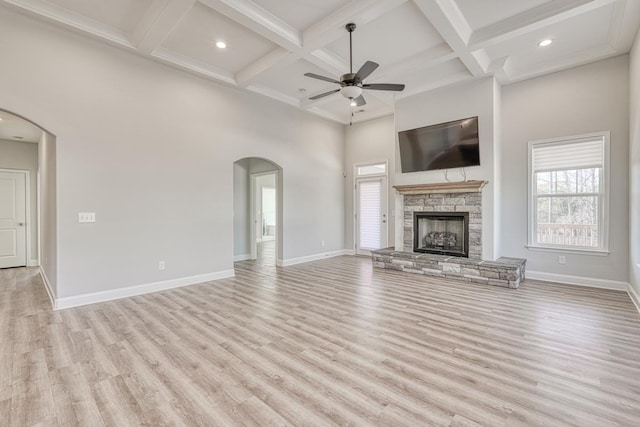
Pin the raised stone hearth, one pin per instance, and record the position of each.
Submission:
(505, 272)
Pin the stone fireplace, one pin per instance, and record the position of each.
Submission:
(442, 233)
(450, 199)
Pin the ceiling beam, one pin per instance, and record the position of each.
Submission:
(158, 23)
(251, 72)
(445, 16)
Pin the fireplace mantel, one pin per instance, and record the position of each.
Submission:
(442, 187)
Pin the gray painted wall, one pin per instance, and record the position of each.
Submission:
(634, 162)
(151, 149)
(24, 155)
(577, 101)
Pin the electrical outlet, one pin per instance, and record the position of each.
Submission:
(86, 217)
(322, 243)
(562, 259)
(161, 265)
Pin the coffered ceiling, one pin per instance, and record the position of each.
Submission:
(425, 44)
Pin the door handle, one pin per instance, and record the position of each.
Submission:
(21, 224)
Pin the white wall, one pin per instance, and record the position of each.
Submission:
(581, 100)
(372, 141)
(47, 186)
(477, 98)
(24, 155)
(241, 203)
(151, 150)
(634, 163)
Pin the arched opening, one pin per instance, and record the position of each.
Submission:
(257, 211)
(28, 234)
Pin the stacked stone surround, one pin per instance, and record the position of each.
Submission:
(445, 202)
(505, 272)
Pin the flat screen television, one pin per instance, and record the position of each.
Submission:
(446, 145)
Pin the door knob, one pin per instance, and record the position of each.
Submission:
(21, 224)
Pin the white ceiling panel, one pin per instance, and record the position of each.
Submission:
(122, 15)
(300, 14)
(289, 79)
(480, 13)
(566, 35)
(394, 36)
(196, 35)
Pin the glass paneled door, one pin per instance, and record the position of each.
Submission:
(371, 214)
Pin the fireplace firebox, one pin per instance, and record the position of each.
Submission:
(444, 233)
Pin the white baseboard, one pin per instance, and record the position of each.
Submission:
(635, 298)
(242, 257)
(103, 296)
(33, 263)
(47, 286)
(577, 280)
(309, 258)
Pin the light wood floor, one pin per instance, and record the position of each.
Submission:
(332, 342)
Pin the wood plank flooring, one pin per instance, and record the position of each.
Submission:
(326, 343)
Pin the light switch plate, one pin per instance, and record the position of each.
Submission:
(87, 217)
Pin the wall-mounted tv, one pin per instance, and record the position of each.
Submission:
(446, 145)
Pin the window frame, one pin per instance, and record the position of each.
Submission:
(603, 195)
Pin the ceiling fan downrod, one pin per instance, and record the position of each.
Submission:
(350, 28)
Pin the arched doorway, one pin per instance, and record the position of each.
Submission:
(28, 165)
(257, 211)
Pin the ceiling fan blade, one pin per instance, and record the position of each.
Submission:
(368, 68)
(384, 86)
(360, 101)
(322, 95)
(319, 77)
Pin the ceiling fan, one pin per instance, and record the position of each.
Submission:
(351, 85)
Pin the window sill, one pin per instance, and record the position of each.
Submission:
(594, 252)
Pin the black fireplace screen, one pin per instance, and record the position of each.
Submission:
(445, 233)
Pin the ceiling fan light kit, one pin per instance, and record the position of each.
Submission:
(351, 91)
(351, 84)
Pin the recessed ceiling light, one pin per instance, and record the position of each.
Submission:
(221, 45)
(545, 42)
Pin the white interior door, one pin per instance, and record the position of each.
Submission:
(13, 214)
(371, 214)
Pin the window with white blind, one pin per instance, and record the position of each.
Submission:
(568, 204)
